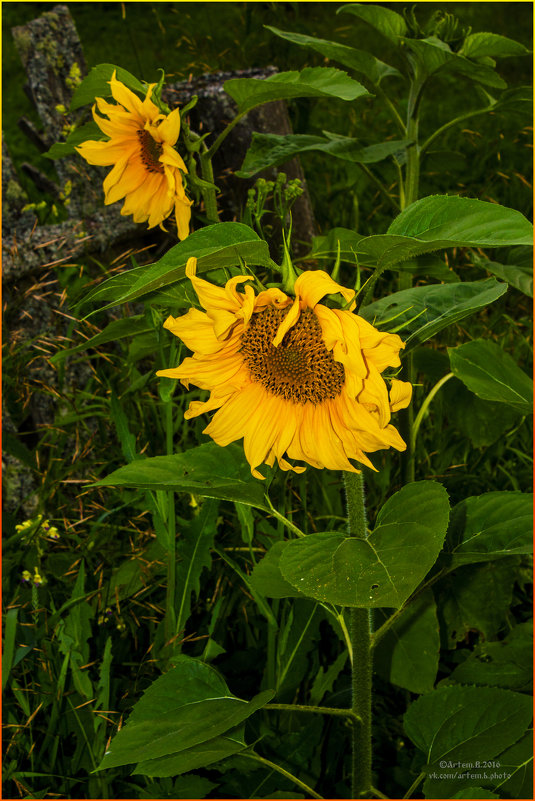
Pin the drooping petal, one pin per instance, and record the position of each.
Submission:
(169, 129)
(313, 285)
(123, 95)
(400, 394)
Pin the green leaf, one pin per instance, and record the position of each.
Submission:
(323, 683)
(507, 663)
(358, 60)
(490, 526)
(492, 374)
(435, 56)
(88, 131)
(475, 792)
(199, 756)
(434, 223)
(299, 633)
(187, 706)
(310, 82)
(12, 445)
(193, 550)
(125, 436)
(466, 724)
(475, 598)
(216, 246)
(268, 150)
(434, 307)
(207, 470)
(384, 20)
(517, 763)
(518, 276)
(407, 655)
(479, 45)
(96, 84)
(73, 633)
(117, 329)
(455, 221)
(191, 786)
(267, 578)
(382, 570)
(482, 422)
(8, 650)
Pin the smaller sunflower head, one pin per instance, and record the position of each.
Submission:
(292, 377)
(146, 168)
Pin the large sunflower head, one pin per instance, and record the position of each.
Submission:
(147, 170)
(294, 378)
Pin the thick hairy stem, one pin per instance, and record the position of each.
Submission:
(361, 671)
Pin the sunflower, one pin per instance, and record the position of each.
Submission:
(147, 170)
(291, 376)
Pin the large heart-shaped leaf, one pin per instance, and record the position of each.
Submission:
(310, 82)
(490, 526)
(216, 246)
(382, 570)
(489, 372)
(207, 470)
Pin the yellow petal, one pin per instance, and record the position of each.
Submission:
(103, 153)
(172, 159)
(313, 285)
(289, 321)
(126, 98)
(400, 394)
(182, 217)
(168, 130)
(130, 180)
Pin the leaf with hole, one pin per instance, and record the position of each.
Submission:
(382, 570)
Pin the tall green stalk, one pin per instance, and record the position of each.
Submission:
(170, 614)
(361, 657)
(408, 196)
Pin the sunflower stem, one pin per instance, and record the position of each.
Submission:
(170, 617)
(361, 666)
